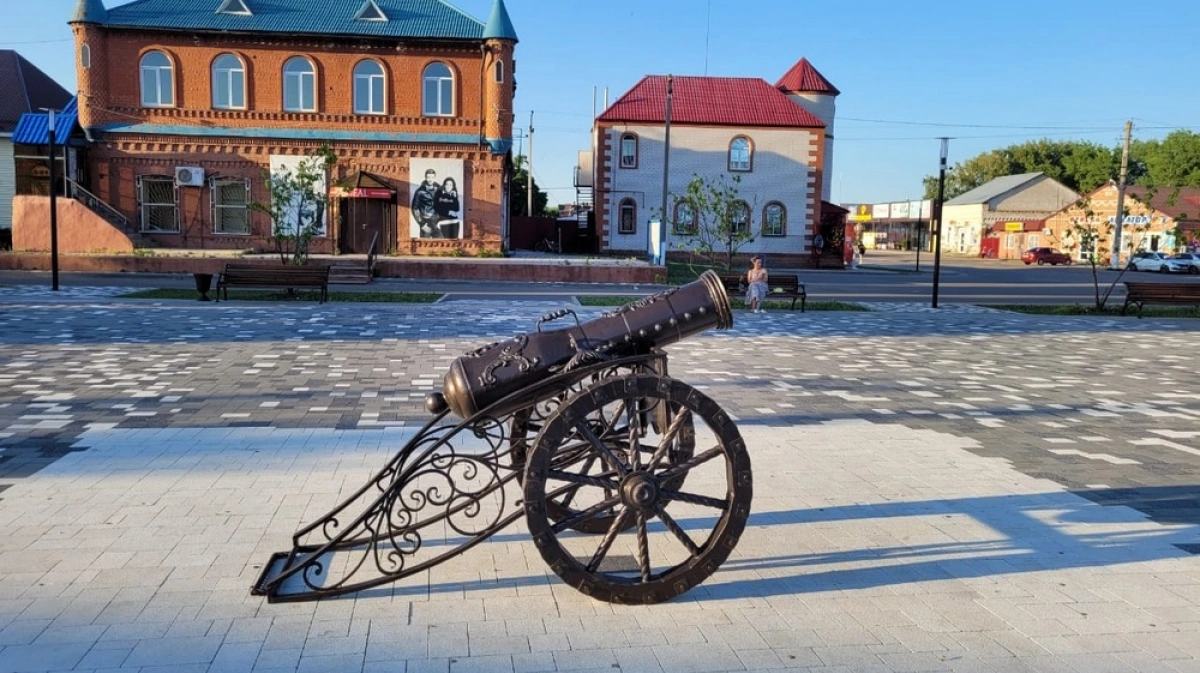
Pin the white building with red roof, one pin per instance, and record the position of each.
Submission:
(776, 139)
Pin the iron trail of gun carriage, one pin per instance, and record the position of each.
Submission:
(634, 486)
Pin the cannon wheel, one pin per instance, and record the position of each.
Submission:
(665, 559)
(524, 428)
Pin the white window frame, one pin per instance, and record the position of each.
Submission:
(299, 79)
(1032, 241)
(740, 205)
(144, 206)
(1010, 241)
(220, 209)
(628, 160)
(741, 164)
(444, 84)
(782, 219)
(163, 78)
(223, 81)
(369, 80)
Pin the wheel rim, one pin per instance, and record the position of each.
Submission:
(655, 559)
(528, 423)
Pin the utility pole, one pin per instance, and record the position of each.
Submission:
(53, 204)
(1116, 253)
(937, 213)
(920, 209)
(529, 170)
(662, 226)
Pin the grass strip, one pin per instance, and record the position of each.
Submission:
(617, 300)
(1090, 309)
(283, 295)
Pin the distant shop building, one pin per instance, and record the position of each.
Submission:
(970, 218)
(1166, 220)
(901, 225)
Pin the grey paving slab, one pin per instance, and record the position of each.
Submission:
(953, 490)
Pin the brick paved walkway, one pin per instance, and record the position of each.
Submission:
(951, 491)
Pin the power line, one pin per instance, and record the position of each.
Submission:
(65, 39)
(900, 122)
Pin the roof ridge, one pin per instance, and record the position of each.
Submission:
(21, 77)
(461, 11)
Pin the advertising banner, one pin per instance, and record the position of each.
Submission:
(437, 201)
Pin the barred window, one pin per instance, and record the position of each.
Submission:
(157, 204)
(230, 205)
(627, 221)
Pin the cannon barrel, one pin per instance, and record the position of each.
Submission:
(485, 376)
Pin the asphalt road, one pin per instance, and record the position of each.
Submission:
(886, 276)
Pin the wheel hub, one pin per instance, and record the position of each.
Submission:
(639, 490)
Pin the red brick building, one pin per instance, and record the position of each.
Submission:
(190, 104)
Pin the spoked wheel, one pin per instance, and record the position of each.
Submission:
(577, 456)
(661, 555)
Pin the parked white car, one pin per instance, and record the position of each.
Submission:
(1192, 259)
(1157, 261)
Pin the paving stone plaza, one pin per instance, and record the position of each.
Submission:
(960, 490)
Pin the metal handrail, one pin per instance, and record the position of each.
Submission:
(371, 253)
(95, 202)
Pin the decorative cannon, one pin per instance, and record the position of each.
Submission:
(635, 487)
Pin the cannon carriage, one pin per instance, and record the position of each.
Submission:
(634, 486)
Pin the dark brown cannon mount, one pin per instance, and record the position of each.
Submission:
(634, 486)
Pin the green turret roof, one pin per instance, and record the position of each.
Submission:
(499, 26)
(89, 11)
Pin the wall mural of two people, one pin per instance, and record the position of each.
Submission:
(437, 203)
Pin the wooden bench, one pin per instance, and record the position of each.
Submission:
(1142, 293)
(778, 287)
(274, 276)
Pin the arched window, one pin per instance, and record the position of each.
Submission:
(739, 217)
(499, 72)
(299, 85)
(685, 217)
(741, 154)
(228, 83)
(85, 56)
(158, 80)
(438, 94)
(629, 150)
(369, 88)
(627, 217)
(774, 221)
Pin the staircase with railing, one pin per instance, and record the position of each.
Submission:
(354, 271)
(105, 211)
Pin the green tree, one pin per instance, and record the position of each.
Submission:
(713, 221)
(1173, 161)
(518, 199)
(298, 203)
(1081, 166)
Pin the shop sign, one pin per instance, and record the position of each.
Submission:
(899, 211)
(861, 213)
(880, 211)
(1014, 226)
(363, 193)
(920, 210)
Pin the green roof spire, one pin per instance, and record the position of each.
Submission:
(89, 11)
(499, 26)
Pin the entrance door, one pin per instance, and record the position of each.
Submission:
(362, 221)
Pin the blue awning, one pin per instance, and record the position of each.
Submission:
(33, 128)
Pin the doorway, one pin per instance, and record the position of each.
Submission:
(363, 221)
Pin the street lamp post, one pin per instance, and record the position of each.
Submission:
(937, 213)
(53, 205)
(662, 227)
(920, 237)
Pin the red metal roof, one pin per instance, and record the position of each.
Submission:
(804, 78)
(723, 101)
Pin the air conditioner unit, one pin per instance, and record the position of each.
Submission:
(189, 176)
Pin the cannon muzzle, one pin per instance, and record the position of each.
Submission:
(485, 376)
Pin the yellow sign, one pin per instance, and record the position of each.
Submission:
(862, 213)
(1014, 226)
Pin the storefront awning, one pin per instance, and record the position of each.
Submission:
(33, 128)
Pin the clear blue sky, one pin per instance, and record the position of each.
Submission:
(1073, 69)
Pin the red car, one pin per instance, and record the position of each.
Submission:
(1045, 256)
